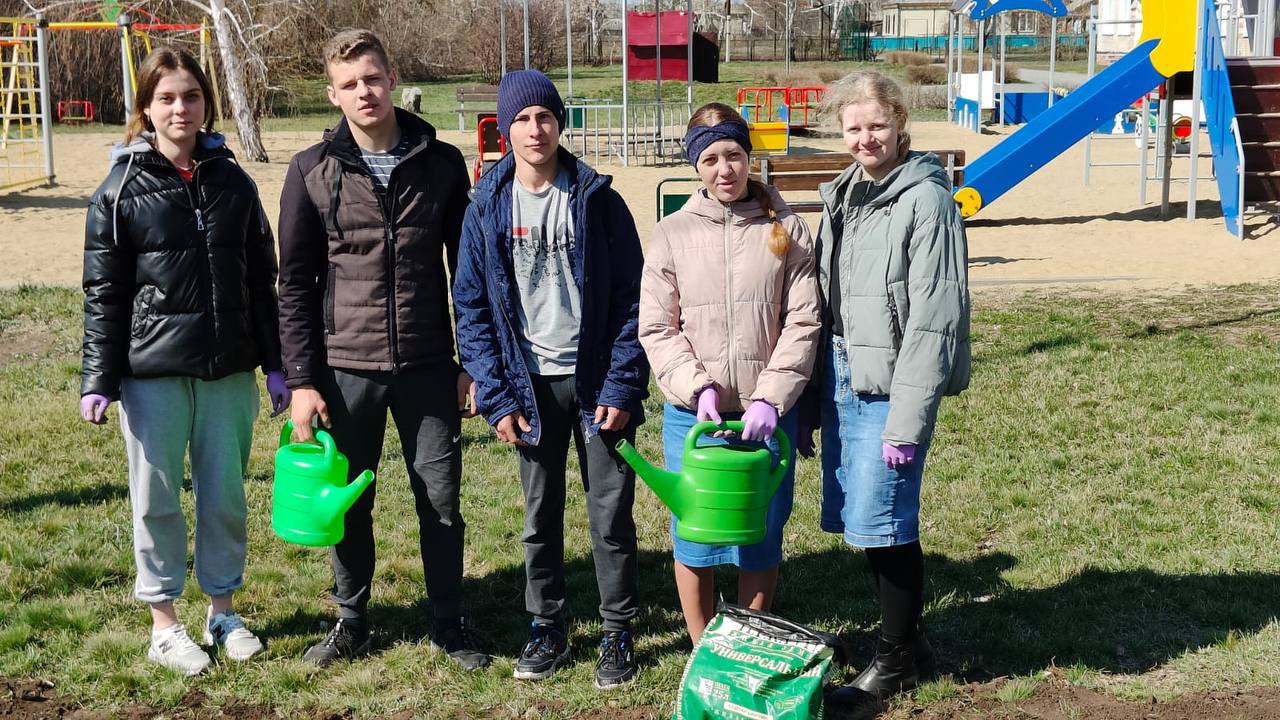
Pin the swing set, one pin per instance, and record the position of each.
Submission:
(26, 108)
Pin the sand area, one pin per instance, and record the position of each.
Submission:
(1049, 230)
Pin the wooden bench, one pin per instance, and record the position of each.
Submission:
(480, 97)
(807, 172)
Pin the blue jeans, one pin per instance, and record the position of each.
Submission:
(763, 555)
(871, 504)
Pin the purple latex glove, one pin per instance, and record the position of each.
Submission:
(279, 392)
(896, 456)
(709, 405)
(93, 407)
(759, 421)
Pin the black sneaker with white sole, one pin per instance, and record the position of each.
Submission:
(546, 652)
(454, 638)
(617, 663)
(348, 639)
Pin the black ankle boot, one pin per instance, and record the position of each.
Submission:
(926, 662)
(891, 671)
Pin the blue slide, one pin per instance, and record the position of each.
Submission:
(1058, 128)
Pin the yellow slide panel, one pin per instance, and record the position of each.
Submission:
(770, 138)
(1173, 23)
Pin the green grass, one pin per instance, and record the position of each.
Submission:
(1101, 500)
(944, 688)
(1019, 688)
(303, 105)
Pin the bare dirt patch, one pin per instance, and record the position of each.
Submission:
(1061, 701)
(1053, 699)
(25, 343)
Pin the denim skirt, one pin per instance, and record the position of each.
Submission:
(870, 504)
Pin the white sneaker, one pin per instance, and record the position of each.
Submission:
(227, 630)
(173, 648)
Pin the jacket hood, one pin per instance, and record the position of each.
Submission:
(581, 174)
(207, 145)
(342, 142)
(744, 211)
(918, 167)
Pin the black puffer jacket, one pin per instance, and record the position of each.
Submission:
(179, 278)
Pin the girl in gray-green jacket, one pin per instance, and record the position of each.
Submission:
(892, 270)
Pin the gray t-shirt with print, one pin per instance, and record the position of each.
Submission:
(542, 239)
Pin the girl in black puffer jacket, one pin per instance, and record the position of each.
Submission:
(180, 308)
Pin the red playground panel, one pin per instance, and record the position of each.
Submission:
(762, 103)
(75, 111)
(765, 104)
(804, 103)
(492, 145)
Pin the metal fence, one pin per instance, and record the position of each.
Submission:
(651, 134)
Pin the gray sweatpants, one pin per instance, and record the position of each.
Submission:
(160, 419)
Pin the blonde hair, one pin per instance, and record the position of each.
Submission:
(716, 113)
(350, 44)
(160, 62)
(868, 85)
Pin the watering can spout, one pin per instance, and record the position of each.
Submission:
(336, 501)
(663, 483)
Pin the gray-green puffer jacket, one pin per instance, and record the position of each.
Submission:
(904, 288)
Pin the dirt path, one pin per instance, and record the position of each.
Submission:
(1051, 229)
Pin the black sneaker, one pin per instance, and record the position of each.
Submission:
(617, 663)
(455, 639)
(345, 641)
(546, 651)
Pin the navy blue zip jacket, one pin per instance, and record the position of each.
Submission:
(612, 368)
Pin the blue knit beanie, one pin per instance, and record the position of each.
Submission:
(520, 89)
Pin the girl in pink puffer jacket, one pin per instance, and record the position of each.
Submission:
(729, 317)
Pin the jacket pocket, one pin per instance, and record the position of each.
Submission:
(142, 310)
(899, 308)
(331, 278)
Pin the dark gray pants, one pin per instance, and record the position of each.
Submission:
(424, 404)
(610, 485)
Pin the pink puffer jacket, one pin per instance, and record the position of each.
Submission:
(717, 306)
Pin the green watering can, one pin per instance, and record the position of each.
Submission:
(311, 494)
(722, 495)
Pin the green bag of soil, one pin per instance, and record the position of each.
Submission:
(752, 665)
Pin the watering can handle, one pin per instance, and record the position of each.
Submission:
(322, 437)
(706, 426)
(330, 448)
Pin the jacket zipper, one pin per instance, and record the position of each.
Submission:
(857, 221)
(392, 313)
(388, 227)
(728, 296)
(193, 195)
(389, 242)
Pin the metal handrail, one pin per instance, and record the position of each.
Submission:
(1235, 134)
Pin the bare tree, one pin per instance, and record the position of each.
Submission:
(231, 51)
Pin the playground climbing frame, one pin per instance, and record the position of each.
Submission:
(26, 142)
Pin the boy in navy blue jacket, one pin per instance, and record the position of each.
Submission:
(547, 296)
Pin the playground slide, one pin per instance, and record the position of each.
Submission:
(1167, 47)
